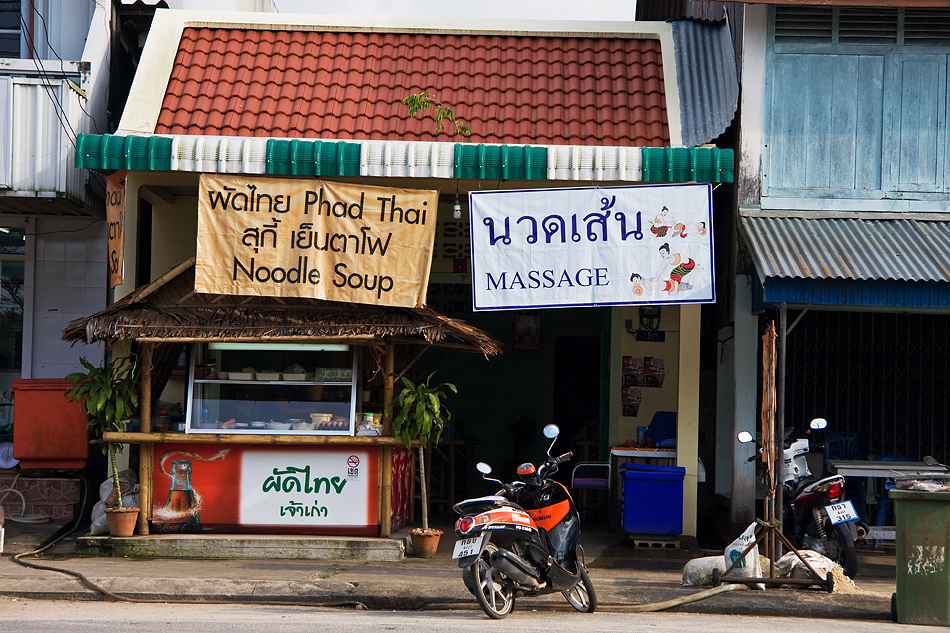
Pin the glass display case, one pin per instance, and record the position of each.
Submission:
(272, 388)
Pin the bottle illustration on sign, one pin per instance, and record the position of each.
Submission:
(180, 513)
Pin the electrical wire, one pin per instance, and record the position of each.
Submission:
(47, 83)
(62, 62)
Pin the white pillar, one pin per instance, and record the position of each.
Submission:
(687, 417)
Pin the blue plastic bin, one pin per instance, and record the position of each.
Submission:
(652, 499)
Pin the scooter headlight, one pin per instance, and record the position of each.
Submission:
(464, 525)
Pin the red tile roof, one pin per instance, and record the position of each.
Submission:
(517, 90)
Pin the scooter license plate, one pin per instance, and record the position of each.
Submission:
(841, 512)
(468, 546)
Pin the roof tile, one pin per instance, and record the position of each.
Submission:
(530, 90)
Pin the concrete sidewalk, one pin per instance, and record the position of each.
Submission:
(623, 575)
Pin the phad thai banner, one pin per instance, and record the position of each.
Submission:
(594, 246)
(283, 237)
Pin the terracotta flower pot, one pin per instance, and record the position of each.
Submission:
(122, 521)
(424, 544)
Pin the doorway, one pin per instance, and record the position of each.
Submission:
(577, 393)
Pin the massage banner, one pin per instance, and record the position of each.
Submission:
(593, 246)
(285, 237)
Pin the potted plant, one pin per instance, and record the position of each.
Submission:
(108, 394)
(421, 417)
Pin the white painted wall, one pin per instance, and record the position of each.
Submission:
(69, 281)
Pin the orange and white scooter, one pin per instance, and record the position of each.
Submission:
(523, 541)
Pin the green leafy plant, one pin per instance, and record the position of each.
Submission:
(109, 394)
(441, 113)
(421, 417)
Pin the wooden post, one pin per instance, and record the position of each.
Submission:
(146, 451)
(386, 492)
(389, 366)
(386, 483)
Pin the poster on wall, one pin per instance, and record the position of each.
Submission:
(265, 489)
(630, 398)
(592, 246)
(637, 373)
(286, 237)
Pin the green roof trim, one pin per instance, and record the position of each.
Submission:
(688, 164)
(312, 158)
(494, 162)
(302, 157)
(105, 151)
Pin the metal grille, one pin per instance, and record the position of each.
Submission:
(452, 240)
(883, 374)
(450, 299)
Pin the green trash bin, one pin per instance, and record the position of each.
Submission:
(923, 556)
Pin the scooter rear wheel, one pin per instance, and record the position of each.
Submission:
(581, 596)
(493, 590)
(847, 556)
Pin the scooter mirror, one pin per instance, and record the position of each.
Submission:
(818, 423)
(483, 468)
(745, 437)
(551, 431)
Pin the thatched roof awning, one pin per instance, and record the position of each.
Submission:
(169, 309)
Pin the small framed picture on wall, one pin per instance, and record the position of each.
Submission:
(527, 331)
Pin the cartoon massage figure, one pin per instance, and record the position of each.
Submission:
(683, 230)
(678, 271)
(641, 285)
(658, 224)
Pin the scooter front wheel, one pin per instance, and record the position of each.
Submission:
(493, 590)
(581, 596)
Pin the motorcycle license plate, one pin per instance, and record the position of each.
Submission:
(841, 512)
(468, 546)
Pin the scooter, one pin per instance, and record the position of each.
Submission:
(816, 515)
(523, 541)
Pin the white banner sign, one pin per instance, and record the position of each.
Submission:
(301, 488)
(596, 246)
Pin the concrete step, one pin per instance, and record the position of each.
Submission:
(243, 546)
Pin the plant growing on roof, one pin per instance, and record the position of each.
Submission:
(421, 417)
(109, 394)
(441, 113)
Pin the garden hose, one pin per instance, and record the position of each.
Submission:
(677, 602)
(24, 517)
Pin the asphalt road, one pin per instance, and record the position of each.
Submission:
(40, 616)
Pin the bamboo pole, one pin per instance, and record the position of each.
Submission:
(386, 480)
(146, 451)
(389, 368)
(386, 492)
(248, 438)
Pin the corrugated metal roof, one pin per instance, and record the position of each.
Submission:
(707, 79)
(849, 248)
(302, 157)
(705, 10)
(348, 86)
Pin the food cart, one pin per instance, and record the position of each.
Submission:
(282, 398)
